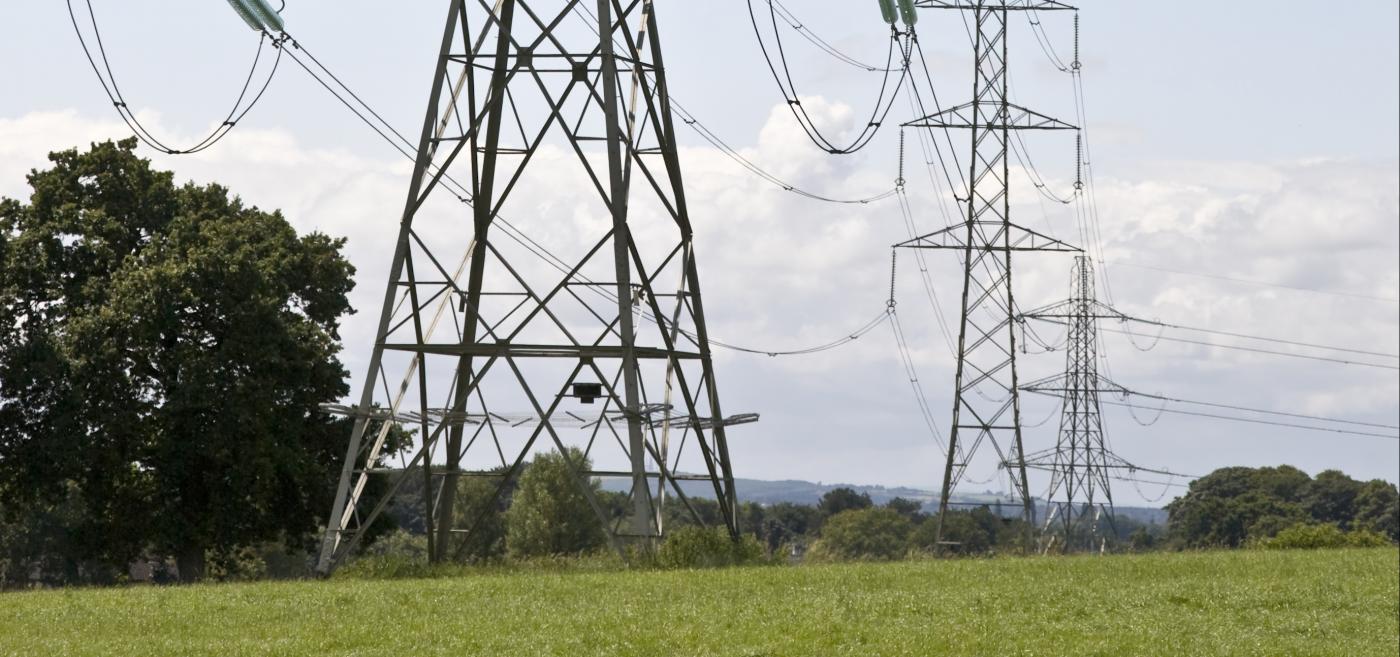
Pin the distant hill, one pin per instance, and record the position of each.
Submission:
(797, 491)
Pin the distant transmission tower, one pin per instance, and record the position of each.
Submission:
(600, 346)
(1080, 494)
(986, 406)
(1081, 465)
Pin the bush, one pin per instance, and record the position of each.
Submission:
(1320, 536)
(1365, 538)
(549, 515)
(397, 554)
(399, 543)
(874, 533)
(701, 547)
(1302, 536)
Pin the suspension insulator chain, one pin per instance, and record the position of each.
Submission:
(1075, 65)
(894, 255)
(899, 182)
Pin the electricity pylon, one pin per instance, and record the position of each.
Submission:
(986, 405)
(1080, 496)
(1081, 465)
(530, 97)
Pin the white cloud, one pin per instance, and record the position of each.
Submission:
(780, 271)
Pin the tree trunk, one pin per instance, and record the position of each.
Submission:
(190, 563)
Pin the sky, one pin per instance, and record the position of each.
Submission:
(1254, 145)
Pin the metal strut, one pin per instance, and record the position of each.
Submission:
(605, 314)
(986, 404)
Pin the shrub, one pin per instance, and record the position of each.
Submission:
(874, 533)
(1312, 537)
(702, 547)
(549, 515)
(1302, 536)
(1365, 538)
(399, 543)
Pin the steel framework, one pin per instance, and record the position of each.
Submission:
(986, 405)
(529, 97)
(1080, 495)
(1082, 465)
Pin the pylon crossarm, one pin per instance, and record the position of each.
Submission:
(1009, 117)
(1017, 238)
(1025, 5)
(1059, 385)
(1069, 310)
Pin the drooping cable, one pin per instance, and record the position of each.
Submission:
(884, 101)
(1269, 352)
(822, 44)
(389, 134)
(1293, 343)
(108, 79)
(709, 135)
(1262, 411)
(1046, 45)
(912, 373)
(918, 49)
(1120, 263)
(734, 154)
(842, 341)
(1268, 422)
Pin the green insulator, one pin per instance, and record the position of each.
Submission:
(907, 12)
(246, 14)
(887, 11)
(264, 12)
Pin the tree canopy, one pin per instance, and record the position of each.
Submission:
(549, 513)
(1232, 506)
(164, 350)
(837, 500)
(870, 533)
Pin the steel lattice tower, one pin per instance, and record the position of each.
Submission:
(1080, 494)
(528, 97)
(1081, 465)
(986, 405)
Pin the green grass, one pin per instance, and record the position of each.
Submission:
(1340, 602)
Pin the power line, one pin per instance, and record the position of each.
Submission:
(1120, 263)
(1282, 341)
(114, 93)
(1261, 410)
(801, 28)
(788, 88)
(1046, 46)
(1269, 352)
(1268, 422)
(734, 154)
(518, 235)
(911, 371)
(848, 338)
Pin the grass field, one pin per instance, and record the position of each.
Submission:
(1218, 603)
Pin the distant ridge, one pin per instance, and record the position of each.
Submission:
(797, 491)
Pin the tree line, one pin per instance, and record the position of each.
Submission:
(164, 351)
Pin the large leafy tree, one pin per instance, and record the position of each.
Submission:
(549, 514)
(1232, 506)
(1378, 508)
(480, 509)
(837, 500)
(1331, 497)
(870, 533)
(164, 350)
